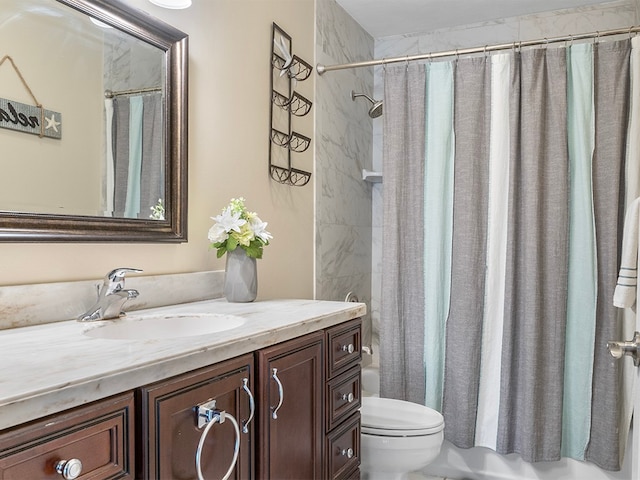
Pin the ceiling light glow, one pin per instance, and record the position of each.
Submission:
(173, 4)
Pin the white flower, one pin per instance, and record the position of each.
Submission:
(259, 229)
(217, 234)
(229, 221)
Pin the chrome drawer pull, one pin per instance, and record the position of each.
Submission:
(348, 397)
(69, 469)
(274, 375)
(348, 348)
(252, 406)
(347, 452)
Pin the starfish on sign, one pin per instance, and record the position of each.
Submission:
(51, 123)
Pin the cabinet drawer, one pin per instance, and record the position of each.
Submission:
(100, 435)
(343, 396)
(343, 449)
(344, 344)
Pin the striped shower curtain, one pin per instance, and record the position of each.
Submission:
(506, 183)
(134, 167)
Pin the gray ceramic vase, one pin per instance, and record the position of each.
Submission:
(241, 277)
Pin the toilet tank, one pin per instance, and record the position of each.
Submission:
(371, 381)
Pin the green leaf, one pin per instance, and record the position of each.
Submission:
(253, 250)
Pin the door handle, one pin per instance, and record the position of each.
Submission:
(274, 410)
(252, 406)
(631, 348)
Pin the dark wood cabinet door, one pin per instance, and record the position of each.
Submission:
(290, 438)
(169, 434)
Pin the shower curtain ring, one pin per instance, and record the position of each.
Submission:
(406, 63)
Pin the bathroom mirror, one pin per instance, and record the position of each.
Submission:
(105, 159)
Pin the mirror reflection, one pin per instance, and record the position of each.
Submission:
(98, 148)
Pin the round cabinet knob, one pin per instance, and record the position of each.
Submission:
(348, 397)
(69, 469)
(348, 348)
(347, 452)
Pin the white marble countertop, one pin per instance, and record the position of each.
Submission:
(49, 368)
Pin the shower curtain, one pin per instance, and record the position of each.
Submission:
(134, 164)
(506, 182)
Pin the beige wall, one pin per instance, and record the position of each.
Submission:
(228, 148)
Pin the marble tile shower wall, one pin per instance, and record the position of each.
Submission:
(601, 17)
(130, 64)
(343, 147)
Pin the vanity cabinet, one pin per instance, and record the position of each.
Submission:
(90, 442)
(302, 424)
(169, 434)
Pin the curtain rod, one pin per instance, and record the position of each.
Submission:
(487, 48)
(111, 93)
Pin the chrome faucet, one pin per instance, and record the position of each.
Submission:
(111, 296)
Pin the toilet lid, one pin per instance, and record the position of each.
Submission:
(387, 416)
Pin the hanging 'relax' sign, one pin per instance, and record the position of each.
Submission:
(29, 118)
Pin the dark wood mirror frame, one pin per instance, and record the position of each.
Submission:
(28, 227)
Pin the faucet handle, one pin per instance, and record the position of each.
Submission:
(115, 278)
(119, 273)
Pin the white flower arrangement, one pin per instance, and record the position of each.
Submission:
(157, 211)
(237, 227)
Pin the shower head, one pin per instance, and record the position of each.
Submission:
(376, 109)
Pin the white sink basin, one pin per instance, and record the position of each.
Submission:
(165, 325)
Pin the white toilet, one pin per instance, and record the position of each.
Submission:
(398, 437)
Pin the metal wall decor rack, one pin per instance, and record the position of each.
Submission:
(286, 70)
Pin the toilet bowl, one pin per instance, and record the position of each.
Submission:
(398, 437)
